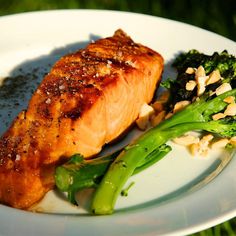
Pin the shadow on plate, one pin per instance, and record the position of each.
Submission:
(17, 88)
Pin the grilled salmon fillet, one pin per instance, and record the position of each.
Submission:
(87, 100)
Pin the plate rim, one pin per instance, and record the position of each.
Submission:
(185, 231)
(52, 11)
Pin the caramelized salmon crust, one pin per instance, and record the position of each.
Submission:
(87, 100)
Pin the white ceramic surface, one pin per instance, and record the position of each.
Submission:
(177, 196)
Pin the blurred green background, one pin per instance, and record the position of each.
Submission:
(218, 16)
(215, 15)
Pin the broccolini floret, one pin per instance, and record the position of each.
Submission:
(224, 62)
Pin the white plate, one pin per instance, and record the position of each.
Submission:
(175, 196)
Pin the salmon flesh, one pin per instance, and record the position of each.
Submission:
(88, 99)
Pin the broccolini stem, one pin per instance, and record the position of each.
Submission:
(124, 192)
(127, 161)
(199, 111)
(78, 174)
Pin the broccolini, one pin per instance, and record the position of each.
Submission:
(196, 116)
(109, 174)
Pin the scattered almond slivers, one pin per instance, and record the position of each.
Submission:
(200, 72)
(201, 79)
(201, 85)
(158, 106)
(190, 70)
(144, 116)
(218, 116)
(169, 115)
(180, 105)
(194, 149)
(186, 140)
(225, 87)
(196, 146)
(202, 147)
(190, 85)
(229, 99)
(220, 143)
(233, 141)
(213, 77)
(230, 110)
(207, 138)
(157, 119)
(155, 114)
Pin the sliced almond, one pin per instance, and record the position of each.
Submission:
(194, 148)
(146, 110)
(200, 72)
(158, 106)
(180, 105)
(230, 110)
(204, 143)
(169, 115)
(220, 143)
(233, 141)
(223, 88)
(207, 138)
(229, 99)
(157, 119)
(204, 152)
(202, 147)
(190, 85)
(144, 115)
(142, 123)
(190, 70)
(213, 77)
(201, 84)
(186, 140)
(201, 78)
(218, 116)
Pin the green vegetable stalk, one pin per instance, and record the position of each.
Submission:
(197, 116)
(122, 168)
(79, 173)
(109, 174)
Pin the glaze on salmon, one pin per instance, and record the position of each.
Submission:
(87, 100)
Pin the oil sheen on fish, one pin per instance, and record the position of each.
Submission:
(87, 100)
